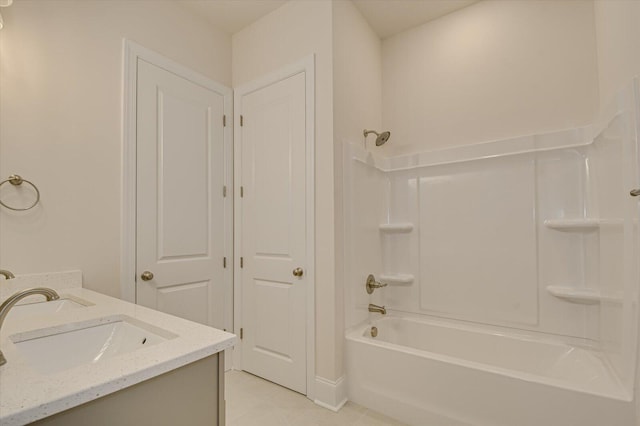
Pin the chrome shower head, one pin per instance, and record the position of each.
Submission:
(381, 137)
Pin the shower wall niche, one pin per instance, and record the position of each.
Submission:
(536, 235)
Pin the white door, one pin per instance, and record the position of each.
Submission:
(273, 232)
(180, 207)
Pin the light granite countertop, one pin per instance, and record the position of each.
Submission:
(26, 395)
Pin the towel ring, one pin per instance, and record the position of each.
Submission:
(17, 180)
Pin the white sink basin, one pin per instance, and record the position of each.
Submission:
(54, 350)
(43, 307)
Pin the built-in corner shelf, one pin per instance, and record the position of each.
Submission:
(575, 295)
(397, 279)
(396, 228)
(576, 225)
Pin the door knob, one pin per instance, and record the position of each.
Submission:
(634, 192)
(147, 276)
(298, 272)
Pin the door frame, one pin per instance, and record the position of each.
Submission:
(306, 66)
(132, 52)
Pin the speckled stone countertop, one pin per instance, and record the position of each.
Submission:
(26, 395)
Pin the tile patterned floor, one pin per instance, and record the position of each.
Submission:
(252, 401)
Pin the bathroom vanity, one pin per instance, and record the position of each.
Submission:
(94, 359)
(192, 395)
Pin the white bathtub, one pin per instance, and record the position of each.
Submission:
(430, 373)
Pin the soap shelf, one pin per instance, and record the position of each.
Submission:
(397, 279)
(577, 225)
(396, 228)
(575, 295)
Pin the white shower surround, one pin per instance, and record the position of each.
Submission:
(463, 233)
(581, 284)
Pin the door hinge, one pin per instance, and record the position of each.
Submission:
(241, 191)
(241, 262)
(224, 191)
(241, 333)
(224, 262)
(241, 121)
(224, 121)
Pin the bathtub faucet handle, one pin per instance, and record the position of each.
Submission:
(372, 284)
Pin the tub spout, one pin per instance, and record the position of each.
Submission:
(376, 308)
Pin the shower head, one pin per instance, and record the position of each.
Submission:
(381, 137)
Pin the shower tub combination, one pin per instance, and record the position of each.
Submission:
(431, 372)
(518, 311)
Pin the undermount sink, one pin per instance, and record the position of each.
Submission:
(44, 307)
(53, 350)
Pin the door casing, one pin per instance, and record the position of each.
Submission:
(306, 66)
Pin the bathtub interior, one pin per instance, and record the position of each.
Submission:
(536, 235)
(515, 354)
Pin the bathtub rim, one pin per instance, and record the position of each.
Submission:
(356, 334)
(479, 327)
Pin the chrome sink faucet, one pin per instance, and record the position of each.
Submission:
(375, 308)
(7, 274)
(15, 298)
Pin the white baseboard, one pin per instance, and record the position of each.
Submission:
(329, 394)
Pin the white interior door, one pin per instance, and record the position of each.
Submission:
(180, 225)
(273, 232)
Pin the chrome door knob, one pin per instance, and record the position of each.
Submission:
(634, 192)
(147, 276)
(298, 272)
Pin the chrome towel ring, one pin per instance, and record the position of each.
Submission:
(17, 180)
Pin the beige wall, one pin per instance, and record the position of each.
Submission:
(618, 39)
(357, 105)
(493, 70)
(290, 33)
(60, 117)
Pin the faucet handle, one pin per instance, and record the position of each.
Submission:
(372, 284)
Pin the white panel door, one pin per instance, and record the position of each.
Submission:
(180, 207)
(273, 241)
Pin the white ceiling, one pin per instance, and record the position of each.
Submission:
(386, 17)
(232, 15)
(389, 17)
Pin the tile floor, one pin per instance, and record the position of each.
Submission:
(252, 401)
